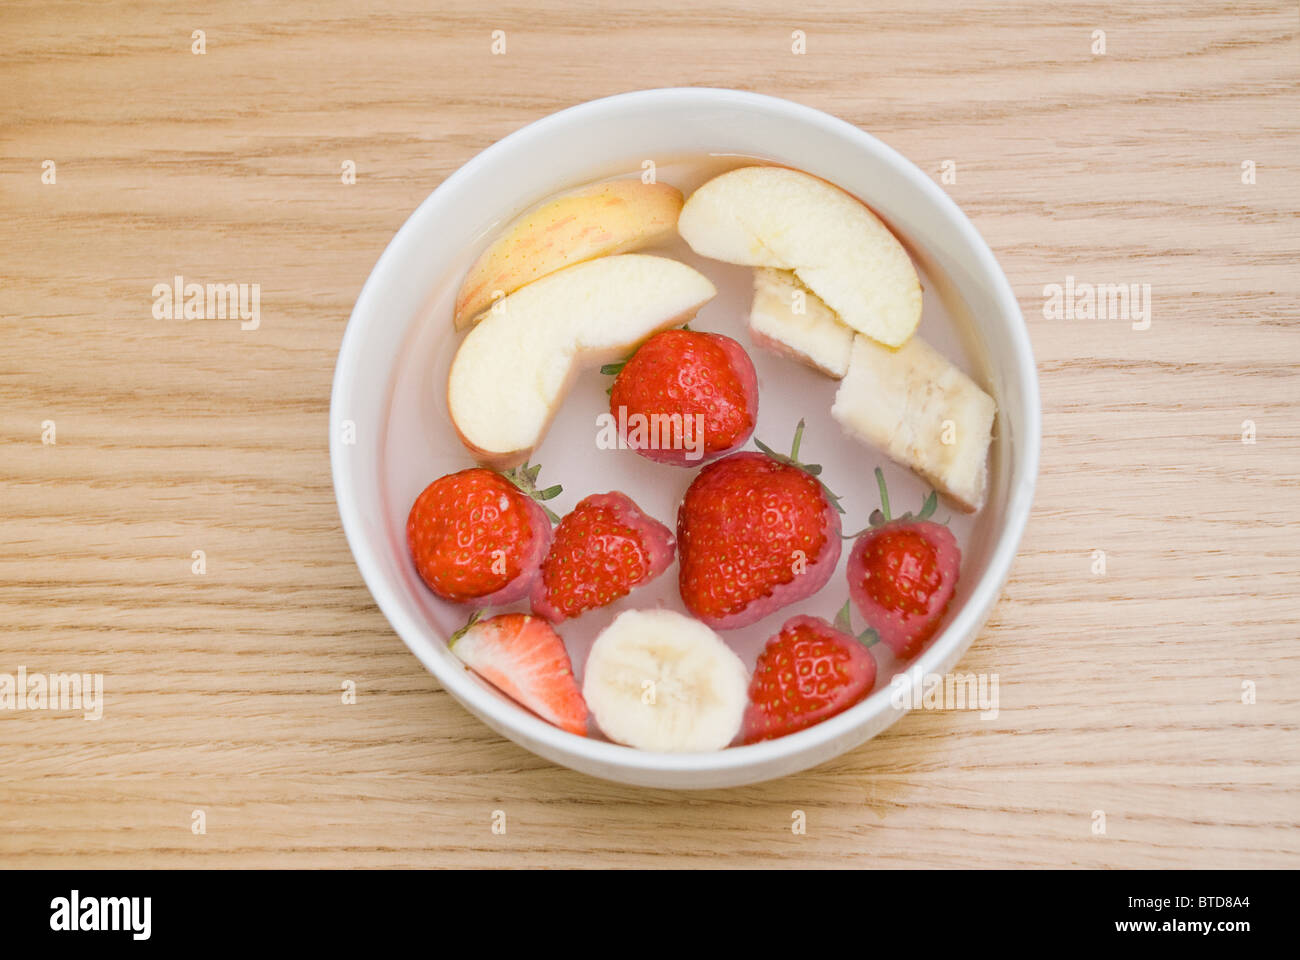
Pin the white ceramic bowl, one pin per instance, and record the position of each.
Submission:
(388, 430)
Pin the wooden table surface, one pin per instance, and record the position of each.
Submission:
(1125, 692)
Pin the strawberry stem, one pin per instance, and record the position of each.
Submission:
(473, 619)
(884, 494)
(812, 469)
(881, 516)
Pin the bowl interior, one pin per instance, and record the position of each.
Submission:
(390, 402)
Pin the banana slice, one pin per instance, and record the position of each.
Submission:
(658, 680)
(789, 319)
(912, 403)
(922, 411)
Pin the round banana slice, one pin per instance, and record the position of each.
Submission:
(658, 680)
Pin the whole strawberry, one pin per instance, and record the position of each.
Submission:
(600, 551)
(808, 672)
(902, 574)
(699, 388)
(479, 536)
(755, 532)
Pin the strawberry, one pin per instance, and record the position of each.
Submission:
(525, 659)
(699, 388)
(600, 551)
(808, 672)
(902, 574)
(479, 535)
(756, 532)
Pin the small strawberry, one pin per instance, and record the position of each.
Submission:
(808, 672)
(700, 388)
(756, 532)
(902, 574)
(600, 551)
(479, 535)
(525, 659)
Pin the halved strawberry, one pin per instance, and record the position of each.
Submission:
(525, 659)
(600, 551)
(902, 574)
(479, 536)
(808, 672)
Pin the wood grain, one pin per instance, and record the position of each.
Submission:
(1120, 693)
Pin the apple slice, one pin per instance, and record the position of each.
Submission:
(592, 221)
(789, 319)
(917, 407)
(514, 367)
(776, 217)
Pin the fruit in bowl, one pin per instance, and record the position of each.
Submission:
(596, 220)
(699, 389)
(911, 403)
(789, 319)
(606, 547)
(515, 366)
(391, 433)
(479, 536)
(756, 532)
(809, 672)
(838, 248)
(661, 681)
(902, 574)
(525, 659)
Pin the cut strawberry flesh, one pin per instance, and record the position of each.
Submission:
(525, 659)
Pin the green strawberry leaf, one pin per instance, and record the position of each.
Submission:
(928, 508)
(833, 497)
(844, 619)
(524, 477)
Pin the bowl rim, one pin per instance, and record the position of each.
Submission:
(510, 718)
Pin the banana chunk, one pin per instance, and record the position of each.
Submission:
(789, 319)
(659, 680)
(918, 408)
